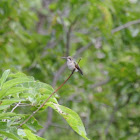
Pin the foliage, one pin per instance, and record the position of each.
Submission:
(34, 36)
(19, 89)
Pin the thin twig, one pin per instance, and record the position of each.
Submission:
(115, 109)
(79, 61)
(15, 106)
(82, 49)
(59, 126)
(125, 26)
(68, 36)
(127, 101)
(68, 31)
(12, 111)
(42, 17)
(111, 119)
(112, 115)
(46, 100)
(58, 73)
(100, 83)
(47, 124)
(50, 45)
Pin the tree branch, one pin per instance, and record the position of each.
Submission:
(15, 106)
(100, 83)
(68, 36)
(42, 17)
(115, 109)
(58, 73)
(82, 49)
(47, 124)
(111, 119)
(127, 101)
(50, 45)
(125, 26)
(47, 99)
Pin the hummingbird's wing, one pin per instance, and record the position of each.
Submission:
(79, 69)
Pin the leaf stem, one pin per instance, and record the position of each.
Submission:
(46, 100)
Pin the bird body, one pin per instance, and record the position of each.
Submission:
(72, 64)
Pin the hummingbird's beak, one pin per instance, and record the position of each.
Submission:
(64, 57)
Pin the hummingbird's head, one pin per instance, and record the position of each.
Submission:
(69, 58)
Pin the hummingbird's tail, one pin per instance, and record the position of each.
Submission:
(79, 70)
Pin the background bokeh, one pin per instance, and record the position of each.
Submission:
(34, 34)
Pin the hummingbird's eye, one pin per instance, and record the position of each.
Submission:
(69, 58)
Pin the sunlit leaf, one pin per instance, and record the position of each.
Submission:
(71, 117)
(32, 136)
(16, 81)
(4, 77)
(8, 115)
(9, 135)
(32, 124)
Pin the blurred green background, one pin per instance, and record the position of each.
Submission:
(34, 34)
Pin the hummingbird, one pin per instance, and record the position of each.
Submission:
(72, 64)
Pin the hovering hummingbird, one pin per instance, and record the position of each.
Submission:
(72, 64)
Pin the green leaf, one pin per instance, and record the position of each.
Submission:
(4, 77)
(14, 131)
(3, 125)
(15, 90)
(44, 97)
(17, 75)
(30, 135)
(7, 102)
(2, 93)
(71, 117)
(10, 101)
(41, 86)
(2, 107)
(32, 124)
(16, 81)
(11, 91)
(39, 138)
(9, 135)
(8, 115)
(26, 132)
